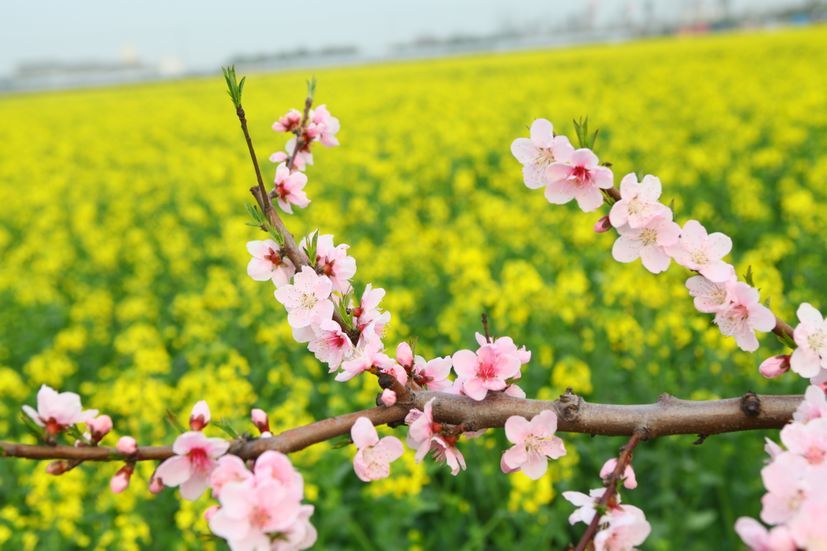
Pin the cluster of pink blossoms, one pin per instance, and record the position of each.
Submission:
(795, 505)
(289, 182)
(646, 229)
(622, 527)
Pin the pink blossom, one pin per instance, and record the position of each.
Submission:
(538, 152)
(333, 261)
(368, 311)
(709, 297)
(534, 442)
(505, 346)
(577, 175)
(58, 411)
(814, 405)
(388, 397)
(808, 528)
(772, 449)
(260, 419)
(156, 485)
(743, 315)
(432, 374)
(306, 300)
(514, 391)
(775, 366)
(404, 355)
(368, 354)
(628, 476)
(602, 225)
(444, 450)
(303, 156)
(120, 481)
(811, 337)
(288, 122)
(268, 263)
(421, 429)
(375, 456)
(273, 465)
(99, 427)
(786, 486)
(249, 513)
(200, 416)
(126, 445)
(228, 469)
(289, 188)
(331, 345)
(701, 252)
(649, 242)
(585, 504)
(193, 462)
(639, 203)
(324, 126)
(300, 535)
(758, 538)
(807, 440)
(626, 527)
(486, 369)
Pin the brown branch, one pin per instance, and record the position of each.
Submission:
(608, 497)
(667, 416)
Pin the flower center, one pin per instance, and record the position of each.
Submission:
(699, 257)
(545, 156)
(739, 311)
(648, 236)
(815, 455)
(486, 370)
(308, 300)
(199, 460)
(274, 257)
(816, 340)
(581, 173)
(259, 517)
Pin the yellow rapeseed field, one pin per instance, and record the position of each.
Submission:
(122, 232)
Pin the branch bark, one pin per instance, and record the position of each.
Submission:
(667, 416)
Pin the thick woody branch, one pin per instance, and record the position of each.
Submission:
(667, 416)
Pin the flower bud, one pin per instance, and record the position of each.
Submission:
(404, 355)
(388, 397)
(120, 481)
(775, 366)
(127, 445)
(200, 416)
(57, 467)
(100, 427)
(260, 420)
(156, 485)
(603, 225)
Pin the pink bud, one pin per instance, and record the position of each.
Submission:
(200, 416)
(260, 420)
(267, 434)
(120, 481)
(57, 467)
(775, 366)
(603, 225)
(388, 397)
(404, 355)
(156, 485)
(100, 427)
(127, 445)
(208, 514)
(628, 476)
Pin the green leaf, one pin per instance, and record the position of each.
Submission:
(226, 427)
(748, 276)
(173, 422)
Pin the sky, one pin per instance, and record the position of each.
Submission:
(202, 34)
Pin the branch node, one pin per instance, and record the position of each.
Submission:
(751, 404)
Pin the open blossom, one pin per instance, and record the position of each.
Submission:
(190, 468)
(323, 126)
(288, 122)
(811, 337)
(585, 504)
(333, 261)
(814, 405)
(367, 312)
(306, 300)
(486, 369)
(809, 440)
(369, 353)
(628, 476)
(538, 152)
(758, 538)
(289, 188)
(577, 175)
(268, 263)
(421, 429)
(331, 345)
(703, 252)
(57, 411)
(649, 242)
(432, 374)
(808, 528)
(534, 443)
(444, 450)
(787, 487)
(709, 297)
(623, 529)
(375, 456)
(303, 157)
(228, 469)
(743, 314)
(300, 535)
(638, 203)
